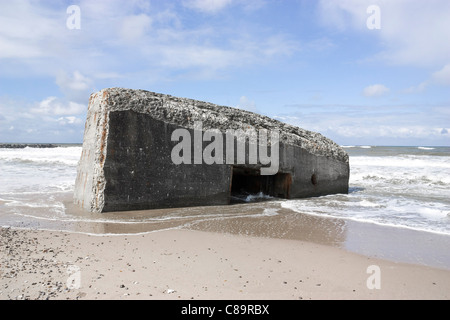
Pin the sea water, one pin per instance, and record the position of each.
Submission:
(406, 187)
(402, 187)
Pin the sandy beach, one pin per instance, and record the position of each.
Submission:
(190, 264)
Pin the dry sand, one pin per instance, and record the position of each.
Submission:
(186, 264)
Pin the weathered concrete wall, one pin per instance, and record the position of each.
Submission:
(126, 160)
(140, 174)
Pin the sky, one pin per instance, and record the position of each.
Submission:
(360, 72)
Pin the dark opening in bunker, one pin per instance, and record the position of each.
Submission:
(248, 184)
(314, 179)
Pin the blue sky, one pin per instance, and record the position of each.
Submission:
(315, 64)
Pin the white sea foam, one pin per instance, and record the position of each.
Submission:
(258, 196)
(401, 161)
(38, 169)
(13, 203)
(62, 155)
(391, 216)
(425, 148)
(402, 190)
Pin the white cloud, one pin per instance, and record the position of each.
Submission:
(135, 27)
(421, 87)
(108, 75)
(152, 37)
(343, 14)
(246, 104)
(54, 106)
(188, 50)
(278, 45)
(27, 30)
(76, 87)
(252, 5)
(76, 82)
(380, 125)
(412, 31)
(215, 6)
(195, 56)
(375, 90)
(40, 122)
(34, 35)
(69, 120)
(208, 6)
(442, 76)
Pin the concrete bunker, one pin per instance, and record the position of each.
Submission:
(126, 159)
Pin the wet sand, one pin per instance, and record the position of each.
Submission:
(304, 260)
(269, 220)
(386, 242)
